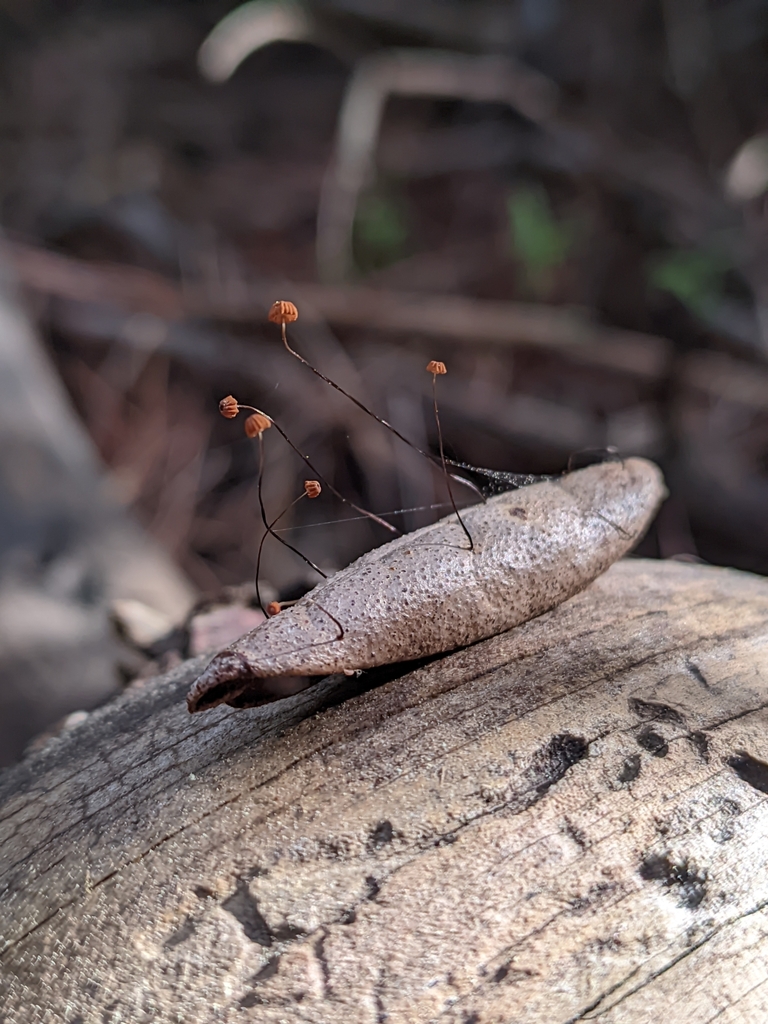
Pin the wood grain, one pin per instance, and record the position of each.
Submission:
(566, 822)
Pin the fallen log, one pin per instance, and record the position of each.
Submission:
(566, 822)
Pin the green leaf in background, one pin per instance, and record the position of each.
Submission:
(693, 276)
(538, 240)
(381, 231)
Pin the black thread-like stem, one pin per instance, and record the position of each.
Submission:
(357, 402)
(384, 423)
(264, 536)
(445, 468)
(268, 527)
(331, 617)
(319, 475)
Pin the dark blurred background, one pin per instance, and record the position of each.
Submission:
(564, 202)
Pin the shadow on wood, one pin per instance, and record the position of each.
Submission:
(566, 822)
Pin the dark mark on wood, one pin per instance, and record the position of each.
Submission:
(255, 872)
(653, 742)
(374, 887)
(243, 907)
(689, 880)
(575, 833)
(630, 769)
(700, 744)
(287, 933)
(648, 709)
(382, 834)
(447, 840)
(697, 674)
(381, 1013)
(186, 931)
(597, 894)
(269, 970)
(501, 974)
(729, 810)
(320, 955)
(750, 770)
(550, 764)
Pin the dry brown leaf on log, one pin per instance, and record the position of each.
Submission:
(565, 822)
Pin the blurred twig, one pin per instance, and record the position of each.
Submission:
(464, 319)
(412, 73)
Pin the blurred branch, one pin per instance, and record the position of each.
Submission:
(468, 320)
(474, 321)
(726, 379)
(246, 29)
(410, 73)
(128, 287)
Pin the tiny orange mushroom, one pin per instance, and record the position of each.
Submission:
(229, 407)
(283, 312)
(434, 366)
(256, 424)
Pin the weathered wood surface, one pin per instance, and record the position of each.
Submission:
(566, 822)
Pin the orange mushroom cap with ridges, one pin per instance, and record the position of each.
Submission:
(436, 367)
(229, 407)
(283, 312)
(257, 424)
